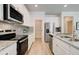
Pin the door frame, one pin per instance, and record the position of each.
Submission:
(42, 27)
(65, 26)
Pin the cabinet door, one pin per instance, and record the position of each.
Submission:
(1, 11)
(30, 41)
(55, 48)
(74, 51)
(60, 47)
(60, 50)
(3, 52)
(64, 46)
(11, 50)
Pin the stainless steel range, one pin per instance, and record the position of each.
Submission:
(22, 41)
(22, 45)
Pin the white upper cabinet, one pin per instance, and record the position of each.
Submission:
(1, 12)
(16, 6)
(24, 11)
(10, 13)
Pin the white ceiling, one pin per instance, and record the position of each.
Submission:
(54, 9)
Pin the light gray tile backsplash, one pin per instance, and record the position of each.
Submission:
(19, 29)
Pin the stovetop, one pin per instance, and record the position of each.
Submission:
(12, 36)
(19, 37)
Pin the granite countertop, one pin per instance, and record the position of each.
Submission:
(5, 44)
(74, 44)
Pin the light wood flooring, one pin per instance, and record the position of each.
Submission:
(39, 48)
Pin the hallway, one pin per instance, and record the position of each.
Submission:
(39, 48)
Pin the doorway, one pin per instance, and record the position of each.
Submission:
(68, 24)
(38, 29)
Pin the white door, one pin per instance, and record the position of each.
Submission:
(38, 29)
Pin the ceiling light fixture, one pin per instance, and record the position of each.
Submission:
(36, 5)
(65, 5)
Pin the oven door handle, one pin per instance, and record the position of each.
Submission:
(23, 40)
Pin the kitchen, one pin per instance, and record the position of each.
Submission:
(14, 30)
(59, 27)
(23, 25)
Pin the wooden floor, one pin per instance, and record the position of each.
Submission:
(39, 48)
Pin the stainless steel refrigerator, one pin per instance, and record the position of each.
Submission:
(46, 31)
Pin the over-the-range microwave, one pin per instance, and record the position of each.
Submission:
(11, 14)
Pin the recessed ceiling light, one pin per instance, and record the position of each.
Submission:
(65, 5)
(36, 5)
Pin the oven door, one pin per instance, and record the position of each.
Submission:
(22, 46)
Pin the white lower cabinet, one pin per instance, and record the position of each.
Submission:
(60, 50)
(11, 50)
(74, 51)
(30, 41)
(60, 47)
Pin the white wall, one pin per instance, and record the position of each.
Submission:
(75, 16)
(26, 14)
(45, 18)
(27, 22)
(8, 26)
(37, 16)
(19, 31)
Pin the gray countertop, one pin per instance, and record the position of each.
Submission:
(5, 44)
(74, 44)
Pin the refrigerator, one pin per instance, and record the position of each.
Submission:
(46, 31)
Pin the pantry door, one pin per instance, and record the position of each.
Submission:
(38, 29)
(68, 24)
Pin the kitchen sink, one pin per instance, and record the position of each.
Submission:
(65, 35)
(69, 37)
(74, 40)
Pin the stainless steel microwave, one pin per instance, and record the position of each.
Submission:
(11, 14)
